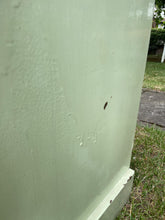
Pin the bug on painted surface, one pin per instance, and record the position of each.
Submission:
(105, 105)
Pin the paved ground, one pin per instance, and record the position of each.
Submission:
(152, 108)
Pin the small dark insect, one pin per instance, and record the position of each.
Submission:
(110, 201)
(105, 105)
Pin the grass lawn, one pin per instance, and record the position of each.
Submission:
(147, 200)
(155, 76)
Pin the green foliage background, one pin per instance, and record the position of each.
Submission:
(159, 5)
(157, 39)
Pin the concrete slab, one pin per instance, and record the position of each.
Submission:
(152, 108)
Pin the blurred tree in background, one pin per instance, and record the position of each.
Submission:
(159, 11)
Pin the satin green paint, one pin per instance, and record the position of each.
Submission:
(61, 152)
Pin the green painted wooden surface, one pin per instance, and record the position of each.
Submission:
(60, 62)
